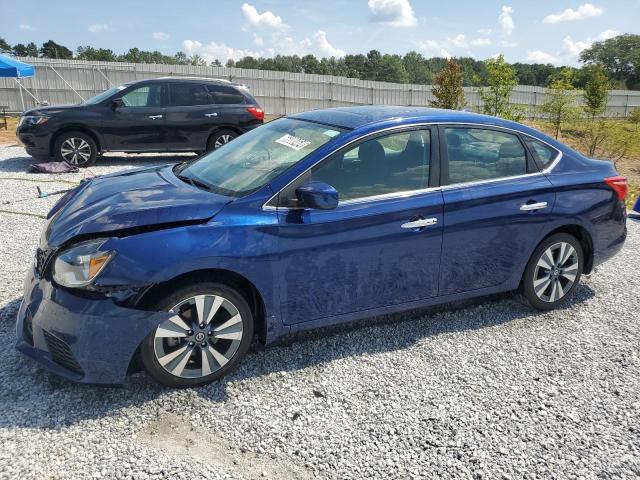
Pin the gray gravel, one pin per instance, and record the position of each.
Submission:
(493, 390)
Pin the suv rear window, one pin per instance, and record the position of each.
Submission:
(225, 95)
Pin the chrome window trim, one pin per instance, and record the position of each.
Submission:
(411, 193)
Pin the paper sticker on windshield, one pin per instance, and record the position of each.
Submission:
(331, 133)
(292, 142)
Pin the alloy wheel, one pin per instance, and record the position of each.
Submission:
(75, 151)
(555, 272)
(222, 140)
(200, 338)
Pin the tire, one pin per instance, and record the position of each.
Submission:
(220, 138)
(547, 288)
(76, 148)
(198, 356)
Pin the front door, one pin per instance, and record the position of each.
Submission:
(137, 125)
(381, 245)
(495, 206)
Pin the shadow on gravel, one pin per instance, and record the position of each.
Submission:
(31, 397)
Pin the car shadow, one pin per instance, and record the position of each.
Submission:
(31, 397)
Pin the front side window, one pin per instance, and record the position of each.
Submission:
(147, 96)
(542, 153)
(258, 156)
(394, 163)
(477, 154)
(188, 95)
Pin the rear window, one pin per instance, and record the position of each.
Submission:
(225, 95)
(543, 154)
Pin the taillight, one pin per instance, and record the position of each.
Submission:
(258, 113)
(619, 185)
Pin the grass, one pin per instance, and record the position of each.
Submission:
(8, 136)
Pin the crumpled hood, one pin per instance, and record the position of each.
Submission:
(131, 199)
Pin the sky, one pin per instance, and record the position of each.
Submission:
(540, 31)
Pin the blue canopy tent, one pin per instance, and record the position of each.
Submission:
(12, 68)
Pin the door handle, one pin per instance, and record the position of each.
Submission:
(533, 206)
(211, 114)
(423, 222)
(155, 117)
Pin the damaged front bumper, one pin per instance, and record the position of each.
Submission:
(84, 340)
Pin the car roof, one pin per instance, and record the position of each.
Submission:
(355, 117)
(218, 81)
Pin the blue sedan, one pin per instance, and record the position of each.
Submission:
(315, 219)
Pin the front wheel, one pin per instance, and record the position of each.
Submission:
(207, 336)
(76, 148)
(553, 272)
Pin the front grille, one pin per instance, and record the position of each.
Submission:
(27, 327)
(61, 353)
(43, 255)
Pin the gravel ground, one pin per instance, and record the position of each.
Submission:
(492, 390)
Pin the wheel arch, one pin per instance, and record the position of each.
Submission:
(244, 286)
(73, 128)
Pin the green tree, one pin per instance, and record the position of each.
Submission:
(4, 46)
(596, 90)
(373, 66)
(620, 57)
(95, 54)
(392, 69)
(417, 68)
(448, 90)
(501, 80)
(51, 49)
(29, 50)
(561, 105)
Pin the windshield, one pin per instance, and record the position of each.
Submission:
(104, 95)
(253, 159)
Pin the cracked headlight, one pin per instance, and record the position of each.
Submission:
(80, 265)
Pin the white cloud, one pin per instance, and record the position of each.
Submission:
(538, 56)
(572, 49)
(265, 19)
(258, 41)
(505, 20)
(397, 13)
(485, 31)
(98, 27)
(27, 27)
(445, 54)
(480, 42)
(606, 35)
(587, 10)
(325, 48)
(160, 36)
(215, 51)
(508, 44)
(459, 41)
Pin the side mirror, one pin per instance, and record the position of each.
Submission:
(317, 195)
(117, 103)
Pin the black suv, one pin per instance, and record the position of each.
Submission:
(158, 115)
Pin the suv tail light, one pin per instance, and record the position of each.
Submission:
(258, 113)
(619, 185)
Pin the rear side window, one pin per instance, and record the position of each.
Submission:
(225, 95)
(543, 154)
(477, 154)
(188, 95)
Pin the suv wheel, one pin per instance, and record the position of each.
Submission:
(220, 138)
(76, 148)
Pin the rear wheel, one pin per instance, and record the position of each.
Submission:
(220, 138)
(76, 148)
(207, 336)
(553, 272)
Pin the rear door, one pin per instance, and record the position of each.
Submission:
(495, 205)
(138, 125)
(191, 116)
(380, 246)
